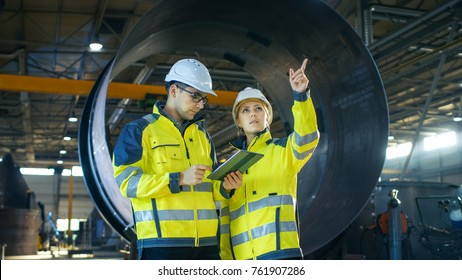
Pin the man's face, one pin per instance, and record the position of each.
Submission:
(188, 101)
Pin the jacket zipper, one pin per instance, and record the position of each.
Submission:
(196, 228)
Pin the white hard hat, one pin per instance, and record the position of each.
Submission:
(192, 73)
(251, 93)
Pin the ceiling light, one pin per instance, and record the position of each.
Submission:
(391, 137)
(67, 138)
(73, 118)
(63, 152)
(59, 161)
(457, 119)
(95, 46)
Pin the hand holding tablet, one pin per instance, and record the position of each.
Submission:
(241, 161)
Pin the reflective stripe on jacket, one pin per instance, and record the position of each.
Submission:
(149, 155)
(259, 221)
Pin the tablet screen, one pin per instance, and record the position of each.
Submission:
(241, 161)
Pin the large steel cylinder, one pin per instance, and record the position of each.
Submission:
(268, 36)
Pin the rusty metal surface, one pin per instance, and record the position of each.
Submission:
(19, 231)
(15, 193)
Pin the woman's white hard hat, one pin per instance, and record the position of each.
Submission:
(252, 94)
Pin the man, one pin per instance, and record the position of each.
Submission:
(161, 162)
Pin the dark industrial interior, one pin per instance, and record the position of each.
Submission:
(382, 74)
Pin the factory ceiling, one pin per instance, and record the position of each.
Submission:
(47, 71)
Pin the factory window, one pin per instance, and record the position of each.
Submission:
(76, 171)
(400, 150)
(36, 171)
(440, 141)
(62, 224)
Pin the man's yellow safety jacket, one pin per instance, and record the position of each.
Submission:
(148, 158)
(259, 221)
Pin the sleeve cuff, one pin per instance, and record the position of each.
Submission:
(224, 193)
(301, 96)
(174, 183)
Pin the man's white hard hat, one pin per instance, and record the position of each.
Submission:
(193, 73)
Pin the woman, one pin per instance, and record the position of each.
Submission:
(262, 212)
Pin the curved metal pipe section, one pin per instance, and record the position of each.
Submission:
(266, 37)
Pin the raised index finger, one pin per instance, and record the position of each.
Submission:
(305, 61)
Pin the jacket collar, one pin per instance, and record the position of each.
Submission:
(158, 109)
(261, 139)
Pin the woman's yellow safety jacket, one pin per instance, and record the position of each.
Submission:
(148, 158)
(259, 221)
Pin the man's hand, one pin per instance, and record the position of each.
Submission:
(298, 80)
(193, 175)
(232, 180)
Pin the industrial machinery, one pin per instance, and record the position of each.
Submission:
(19, 216)
(425, 224)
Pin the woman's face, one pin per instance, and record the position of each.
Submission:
(252, 116)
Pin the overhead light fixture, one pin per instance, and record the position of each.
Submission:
(457, 119)
(391, 137)
(73, 118)
(67, 138)
(59, 161)
(95, 45)
(63, 152)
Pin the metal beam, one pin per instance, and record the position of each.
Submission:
(454, 28)
(413, 25)
(26, 111)
(82, 87)
(118, 113)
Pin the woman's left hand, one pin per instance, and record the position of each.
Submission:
(233, 180)
(298, 80)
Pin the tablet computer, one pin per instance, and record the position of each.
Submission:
(241, 161)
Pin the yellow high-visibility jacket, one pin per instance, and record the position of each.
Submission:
(259, 221)
(149, 155)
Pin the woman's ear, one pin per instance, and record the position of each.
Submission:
(238, 123)
(267, 114)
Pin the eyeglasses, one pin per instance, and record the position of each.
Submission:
(196, 97)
